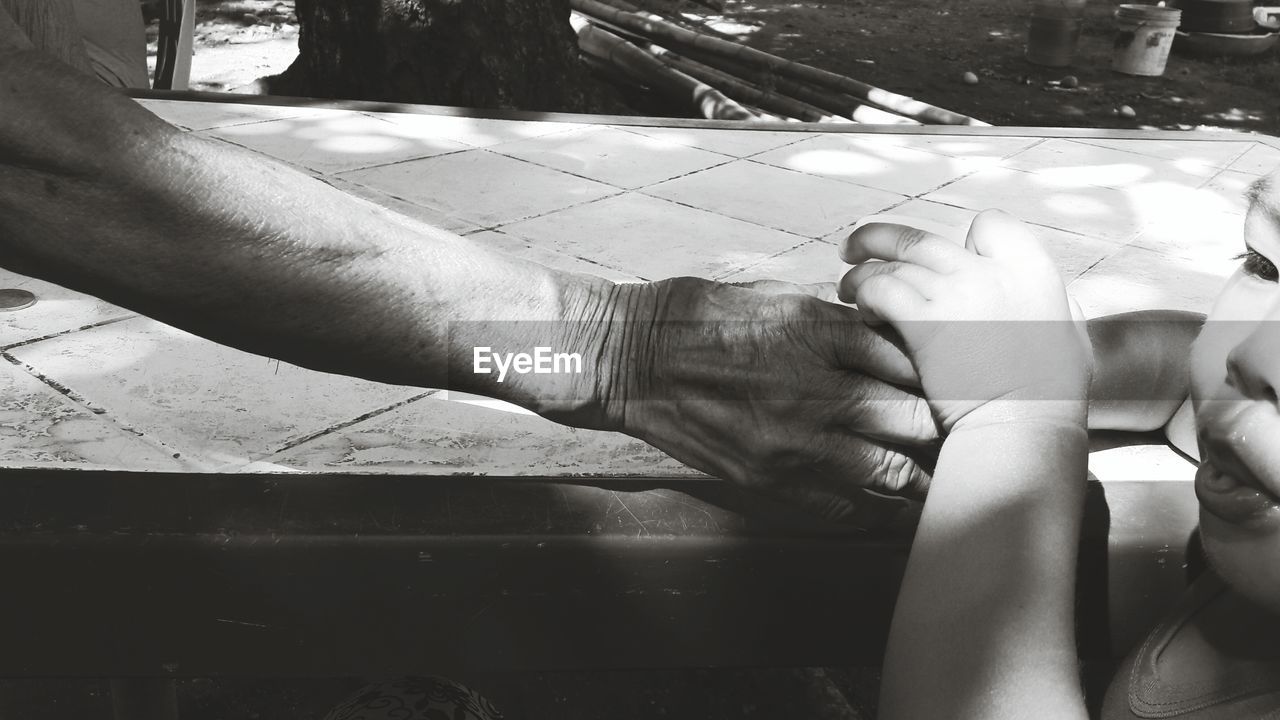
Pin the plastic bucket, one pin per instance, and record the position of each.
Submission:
(1054, 31)
(1145, 34)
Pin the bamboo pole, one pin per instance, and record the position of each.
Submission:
(678, 19)
(836, 103)
(671, 34)
(610, 48)
(744, 92)
(624, 6)
(616, 75)
(611, 72)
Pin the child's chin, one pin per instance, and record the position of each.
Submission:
(1249, 564)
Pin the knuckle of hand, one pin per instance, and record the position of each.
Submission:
(792, 305)
(877, 287)
(839, 509)
(911, 237)
(923, 424)
(876, 283)
(899, 470)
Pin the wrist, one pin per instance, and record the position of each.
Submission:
(599, 329)
(1012, 412)
(640, 334)
(1014, 456)
(613, 323)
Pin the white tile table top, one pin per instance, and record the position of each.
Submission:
(611, 156)
(873, 163)
(481, 187)
(778, 198)
(329, 144)
(1132, 223)
(624, 232)
(58, 310)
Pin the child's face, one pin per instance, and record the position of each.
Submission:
(1235, 369)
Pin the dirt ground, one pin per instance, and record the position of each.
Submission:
(920, 48)
(236, 42)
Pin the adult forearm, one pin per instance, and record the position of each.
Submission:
(50, 25)
(99, 195)
(983, 626)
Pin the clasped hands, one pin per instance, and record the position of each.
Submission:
(776, 388)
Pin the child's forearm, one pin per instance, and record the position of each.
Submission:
(984, 620)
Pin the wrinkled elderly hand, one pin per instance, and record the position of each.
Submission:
(769, 388)
(774, 388)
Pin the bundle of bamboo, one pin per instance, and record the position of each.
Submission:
(727, 80)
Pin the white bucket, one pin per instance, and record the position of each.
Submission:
(1145, 34)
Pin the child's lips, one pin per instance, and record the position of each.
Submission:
(1236, 439)
(1230, 492)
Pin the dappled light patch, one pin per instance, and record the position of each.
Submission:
(1075, 205)
(838, 162)
(739, 30)
(1236, 115)
(360, 144)
(613, 156)
(1155, 201)
(1118, 174)
(1136, 278)
(334, 143)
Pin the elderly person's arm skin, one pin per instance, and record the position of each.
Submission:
(48, 25)
(98, 195)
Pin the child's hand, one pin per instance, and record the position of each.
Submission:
(988, 325)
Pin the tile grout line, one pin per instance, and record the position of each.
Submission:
(475, 226)
(824, 177)
(291, 444)
(721, 277)
(1028, 222)
(257, 121)
(533, 246)
(1115, 245)
(730, 217)
(1093, 142)
(920, 195)
(1096, 263)
(80, 402)
(379, 166)
(334, 173)
(535, 216)
(728, 161)
(4, 349)
(1237, 158)
(63, 390)
(345, 181)
(1032, 146)
(804, 136)
(609, 184)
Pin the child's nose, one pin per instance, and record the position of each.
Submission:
(1253, 366)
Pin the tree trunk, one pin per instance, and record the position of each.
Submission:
(469, 53)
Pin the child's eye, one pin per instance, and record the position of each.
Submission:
(1258, 265)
